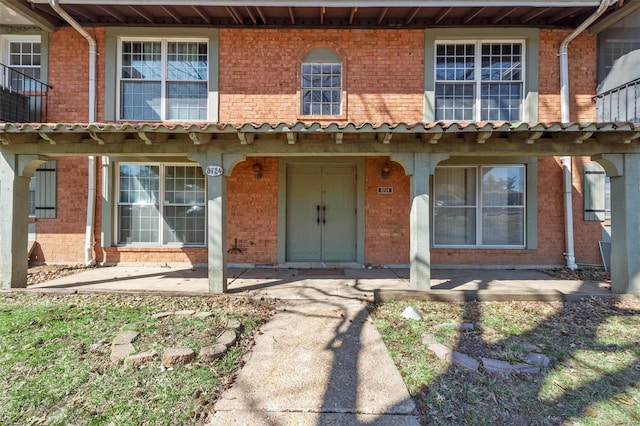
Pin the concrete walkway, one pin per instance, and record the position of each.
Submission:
(318, 363)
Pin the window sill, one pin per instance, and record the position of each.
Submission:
(322, 117)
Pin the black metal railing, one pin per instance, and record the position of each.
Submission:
(620, 104)
(23, 99)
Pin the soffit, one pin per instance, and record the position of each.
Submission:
(321, 14)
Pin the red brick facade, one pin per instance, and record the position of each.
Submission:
(259, 80)
(383, 77)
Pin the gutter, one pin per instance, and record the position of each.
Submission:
(567, 171)
(91, 195)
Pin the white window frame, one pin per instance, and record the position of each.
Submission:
(477, 81)
(321, 89)
(5, 53)
(479, 205)
(161, 205)
(163, 77)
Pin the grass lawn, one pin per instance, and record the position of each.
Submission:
(55, 367)
(593, 378)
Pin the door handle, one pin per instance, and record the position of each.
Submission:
(324, 214)
(318, 214)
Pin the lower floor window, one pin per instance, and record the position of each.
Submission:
(161, 204)
(480, 206)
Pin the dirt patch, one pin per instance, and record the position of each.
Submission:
(582, 274)
(42, 273)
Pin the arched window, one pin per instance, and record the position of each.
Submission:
(321, 85)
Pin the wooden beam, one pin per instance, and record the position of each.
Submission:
(110, 11)
(251, 15)
(385, 137)
(352, 15)
(200, 138)
(412, 16)
(292, 16)
(172, 13)
(534, 14)
(262, 15)
(246, 138)
(201, 14)
(46, 137)
(292, 138)
(483, 136)
(338, 137)
(583, 137)
(443, 14)
(382, 15)
(431, 138)
(532, 137)
(505, 12)
(473, 14)
(139, 12)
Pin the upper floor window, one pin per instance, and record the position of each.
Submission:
(24, 55)
(479, 81)
(321, 83)
(163, 79)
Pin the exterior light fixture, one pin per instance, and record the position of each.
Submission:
(386, 169)
(257, 170)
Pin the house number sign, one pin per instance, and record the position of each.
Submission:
(385, 190)
(214, 170)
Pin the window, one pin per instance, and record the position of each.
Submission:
(163, 80)
(42, 191)
(321, 83)
(24, 56)
(480, 206)
(479, 81)
(161, 204)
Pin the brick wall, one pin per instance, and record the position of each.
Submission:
(252, 212)
(582, 76)
(386, 215)
(69, 75)
(260, 74)
(62, 239)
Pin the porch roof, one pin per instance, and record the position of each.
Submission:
(314, 138)
(313, 13)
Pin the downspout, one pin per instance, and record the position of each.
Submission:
(91, 195)
(567, 172)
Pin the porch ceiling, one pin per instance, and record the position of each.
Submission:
(324, 13)
(157, 139)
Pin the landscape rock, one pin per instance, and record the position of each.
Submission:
(211, 353)
(185, 312)
(525, 369)
(412, 313)
(441, 351)
(540, 360)
(233, 324)
(125, 337)
(227, 338)
(429, 339)
(161, 315)
(530, 347)
(120, 352)
(496, 366)
(139, 359)
(177, 356)
(202, 315)
(466, 326)
(465, 361)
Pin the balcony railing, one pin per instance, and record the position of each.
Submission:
(620, 104)
(23, 99)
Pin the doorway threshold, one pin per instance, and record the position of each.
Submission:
(321, 265)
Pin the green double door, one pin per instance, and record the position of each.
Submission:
(321, 213)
